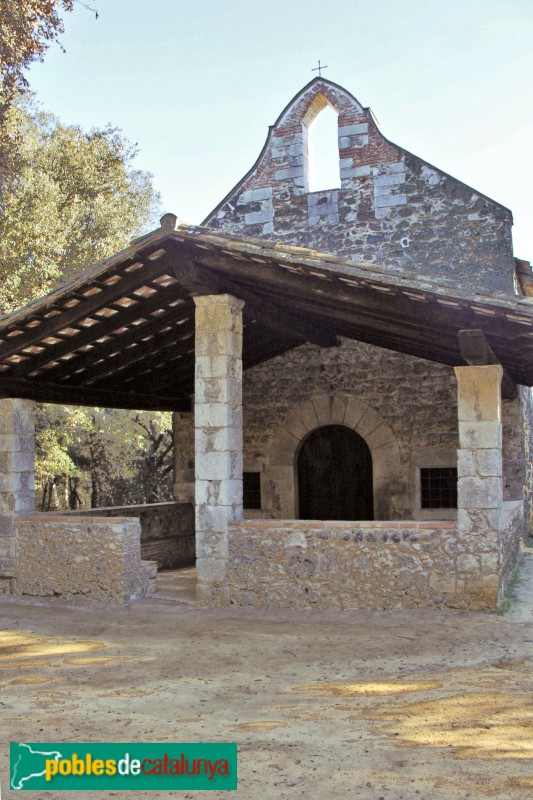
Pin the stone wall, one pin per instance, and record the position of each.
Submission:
(167, 530)
(16, 479)
(509, 542)
(513, 450)
(217, 439)
(92, 559)
(392, 208)
(526, 396)
(353, 565)
(416, 400)
(183, 439)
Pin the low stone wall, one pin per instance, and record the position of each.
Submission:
(355, 565)
(93, 558)
(167, 530)
(510, 539)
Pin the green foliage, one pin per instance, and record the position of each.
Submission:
(509, 595)
(75, 198)
(69, 198)
(27, 29)
(93, 457)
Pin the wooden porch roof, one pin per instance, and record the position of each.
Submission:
(122, 333)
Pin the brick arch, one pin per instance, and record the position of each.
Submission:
(316, 106)
(313, 98)
(281, 165)
(334, 409)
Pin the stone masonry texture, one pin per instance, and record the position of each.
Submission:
(511, 531)
(397, 211)
(416, 398)
(89, 559)
(218, 438)
(347, 565)
(392, 208)
(365, 565)
(167, 530)
(17, 445)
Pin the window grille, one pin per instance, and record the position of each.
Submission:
(251, 489)
(438, 487)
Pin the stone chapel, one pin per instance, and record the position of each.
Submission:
(349, 372)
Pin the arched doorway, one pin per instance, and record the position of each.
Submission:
(334, 470)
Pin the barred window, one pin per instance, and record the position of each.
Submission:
(438, 487)
(251, 489)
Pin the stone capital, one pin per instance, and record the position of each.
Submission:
(479, 393)
(210, 300)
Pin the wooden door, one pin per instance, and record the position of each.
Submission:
(335, 475)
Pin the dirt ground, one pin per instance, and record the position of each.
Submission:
(376, 706)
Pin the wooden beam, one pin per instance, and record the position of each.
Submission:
(201, 279)
(430, 315)
(272, 275)
(351, 322)
(106, 327)
(477, 352)
(151, 373)
(141, 359)
(126, 353)
(85, 396)
(68, 316)
(189, 277)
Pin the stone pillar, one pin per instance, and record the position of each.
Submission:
(218, 439)
(183, 439)
(480, 484)
(17, 485)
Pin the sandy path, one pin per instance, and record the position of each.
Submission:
(376, 706)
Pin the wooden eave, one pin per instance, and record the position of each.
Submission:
(524, 276)
(122, 333)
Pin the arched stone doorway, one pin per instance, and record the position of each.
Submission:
(337, 408)
(334, 471)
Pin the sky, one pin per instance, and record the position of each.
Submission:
(196, 85)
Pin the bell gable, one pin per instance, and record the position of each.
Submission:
(391, 208)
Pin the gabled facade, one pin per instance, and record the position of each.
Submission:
(392, 208)
(348, 372)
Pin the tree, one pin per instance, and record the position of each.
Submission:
(69, 198)
(102, 457)
(27, 29)
(74, 199)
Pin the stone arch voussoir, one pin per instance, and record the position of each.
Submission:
(337, 408)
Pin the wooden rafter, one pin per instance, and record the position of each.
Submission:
(143, 358)
(85, 308)
(51, 393)
(129, 347)
(477, 352)
(201, 279)
(122, 333)
(85, 336)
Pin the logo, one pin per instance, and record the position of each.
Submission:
(101, 766)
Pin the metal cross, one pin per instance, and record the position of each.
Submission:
(319, 69)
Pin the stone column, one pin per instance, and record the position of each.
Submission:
(218, 439)
(183, 439)
(17, 495)
(480, 484)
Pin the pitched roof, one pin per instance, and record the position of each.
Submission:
(121, 334)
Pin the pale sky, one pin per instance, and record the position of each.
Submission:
(196, 85)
